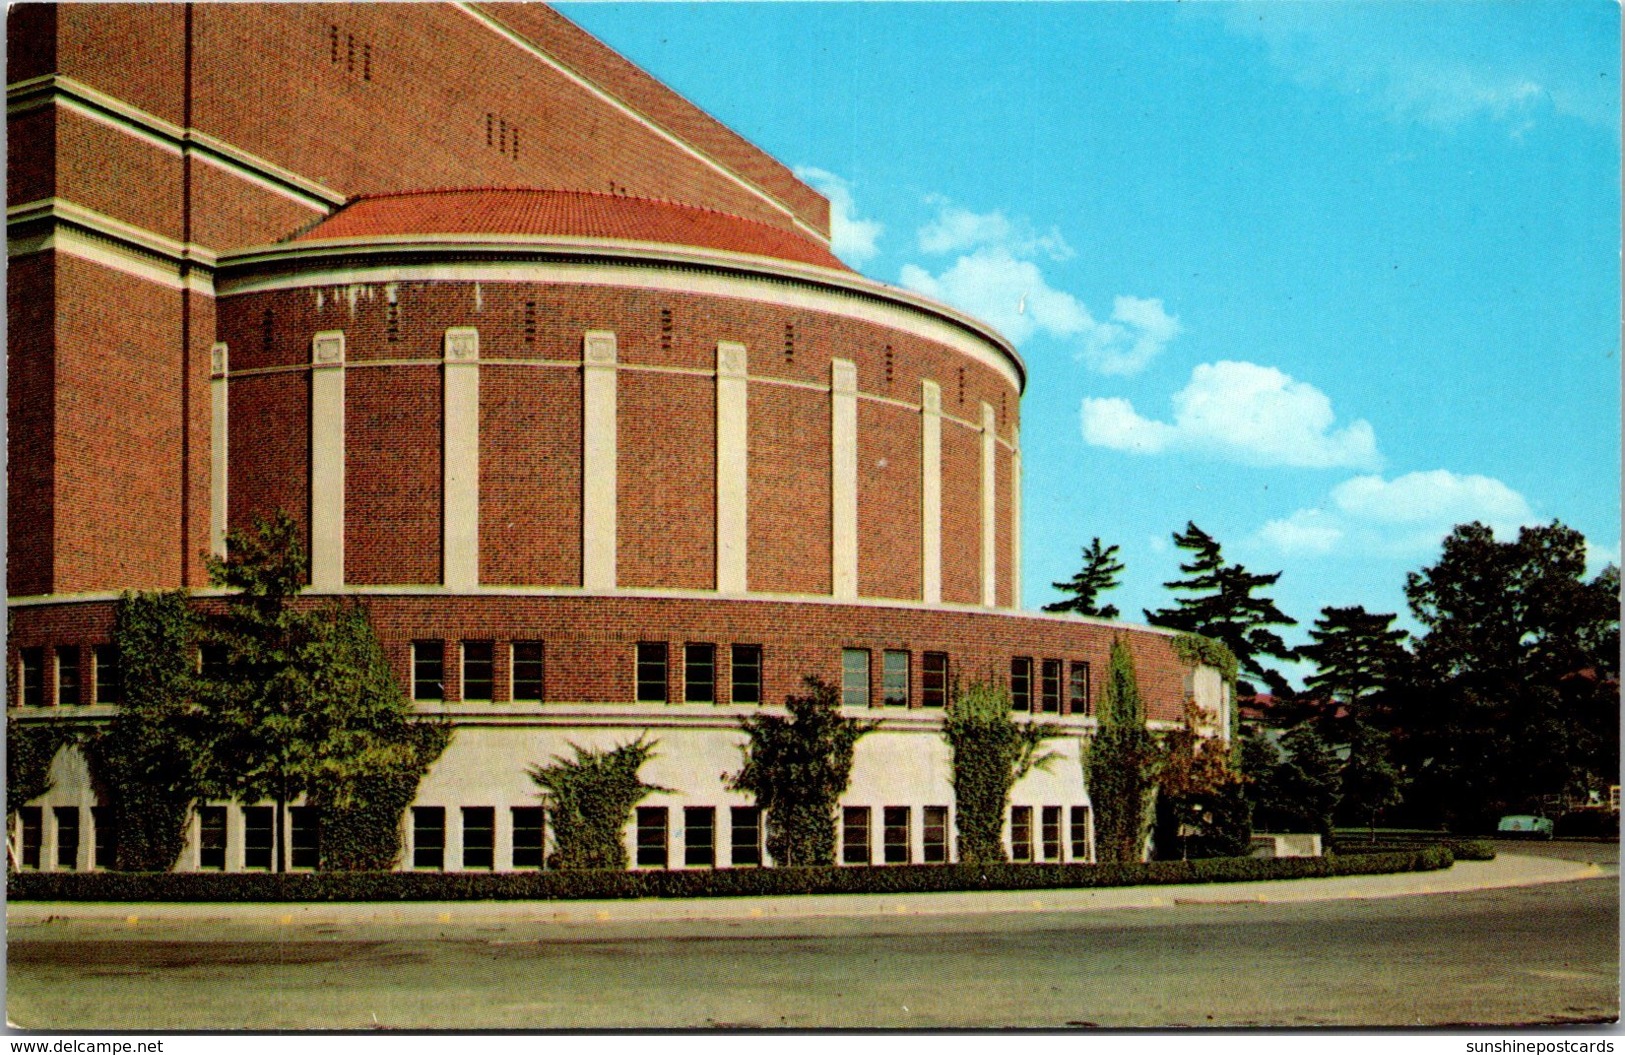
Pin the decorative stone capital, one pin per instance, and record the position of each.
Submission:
(731, 359)
(843, 376)
(931, 397)
(462, 344)
(327, 348)
(218, 359)
(599, 348)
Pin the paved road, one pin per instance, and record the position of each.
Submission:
(1540, 954)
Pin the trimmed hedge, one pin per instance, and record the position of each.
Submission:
(733, 882)
(1460, 849)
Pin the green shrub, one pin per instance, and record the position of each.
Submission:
(735, 882)
(590, 798)
(990, 753)
(1471, 849)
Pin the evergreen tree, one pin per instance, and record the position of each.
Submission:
(1225, 609)
(1119, 764)
(1369, 783)
(798, 767)
(1357, 655)
(1300, 793)
(1100, 572)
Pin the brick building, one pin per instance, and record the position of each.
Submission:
(554, 371)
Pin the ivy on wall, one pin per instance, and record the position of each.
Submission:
(990, 753)
(798, 767)
(30, 748)
(589, 800)
(1120, 764)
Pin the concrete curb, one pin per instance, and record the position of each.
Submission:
(152, 920)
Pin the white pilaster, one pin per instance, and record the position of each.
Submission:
(930, 492)
(1015, 518)
(327, 460)
(219, 437)
(460, 448)
(732, 466)
(843, 489)
(990, 562)
(598, 452)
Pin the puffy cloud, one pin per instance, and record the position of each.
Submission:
(1405, 516)
(853, 240)
(997, 278)
(1240, 412)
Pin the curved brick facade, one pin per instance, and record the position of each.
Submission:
(628, 455)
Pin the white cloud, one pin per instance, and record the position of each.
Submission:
(1240, 412)
(997, 279)
(1405, 516)
(853, 240)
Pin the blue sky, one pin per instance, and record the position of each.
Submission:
(1325, 278)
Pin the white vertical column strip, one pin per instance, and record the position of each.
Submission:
(843, 488)
(990, 555)
(327, 460)
(460, 449)
(219, 438)
(930, 492)
(1015, 517)
(733, 470)
(598, 452)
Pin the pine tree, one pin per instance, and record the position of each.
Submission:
(1100, 572)
(1225, 609)
(1357, 655)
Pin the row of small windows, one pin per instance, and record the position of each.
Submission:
(70, 836)
(528, 828)
(1036, 685)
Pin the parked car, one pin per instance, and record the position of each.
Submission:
(1525, 826)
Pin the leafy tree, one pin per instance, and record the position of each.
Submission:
(798, 767)
(590, 798)
(1516, 698)
(302, 701)
(1369, 782)
(991, 752)
(1119, 764)
(152, 759)
(1225, 609)
(1201, 808)
(1299, 793)
(1100, 572)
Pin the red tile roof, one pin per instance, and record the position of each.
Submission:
(577, 214)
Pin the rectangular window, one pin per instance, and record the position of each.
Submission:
(747, 674)
(211, 853)
(745, 839)
(1021, 684)
(651, 837)
(699, 836)
(529, 828)
(67, 837)
(894, 834)
(1021, 833)
(32, 677)
(652, 672)
(934, 683)
(699, 674)
(855, 835)
(1050, 833)
(67, 676)
(428, 670)
(479, 837)
(32, 820)
(1080, 833)
(259, 836)
(429, 837)
(304, 837)
(211, 662)
(106, 836)
(936, 835)
(109, 676)
(478, 671)
(527, 670)
(1078, 688)
(854, 677)
(894, 678)
(1050, 688)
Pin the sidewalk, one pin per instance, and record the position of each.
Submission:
(152, 920)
